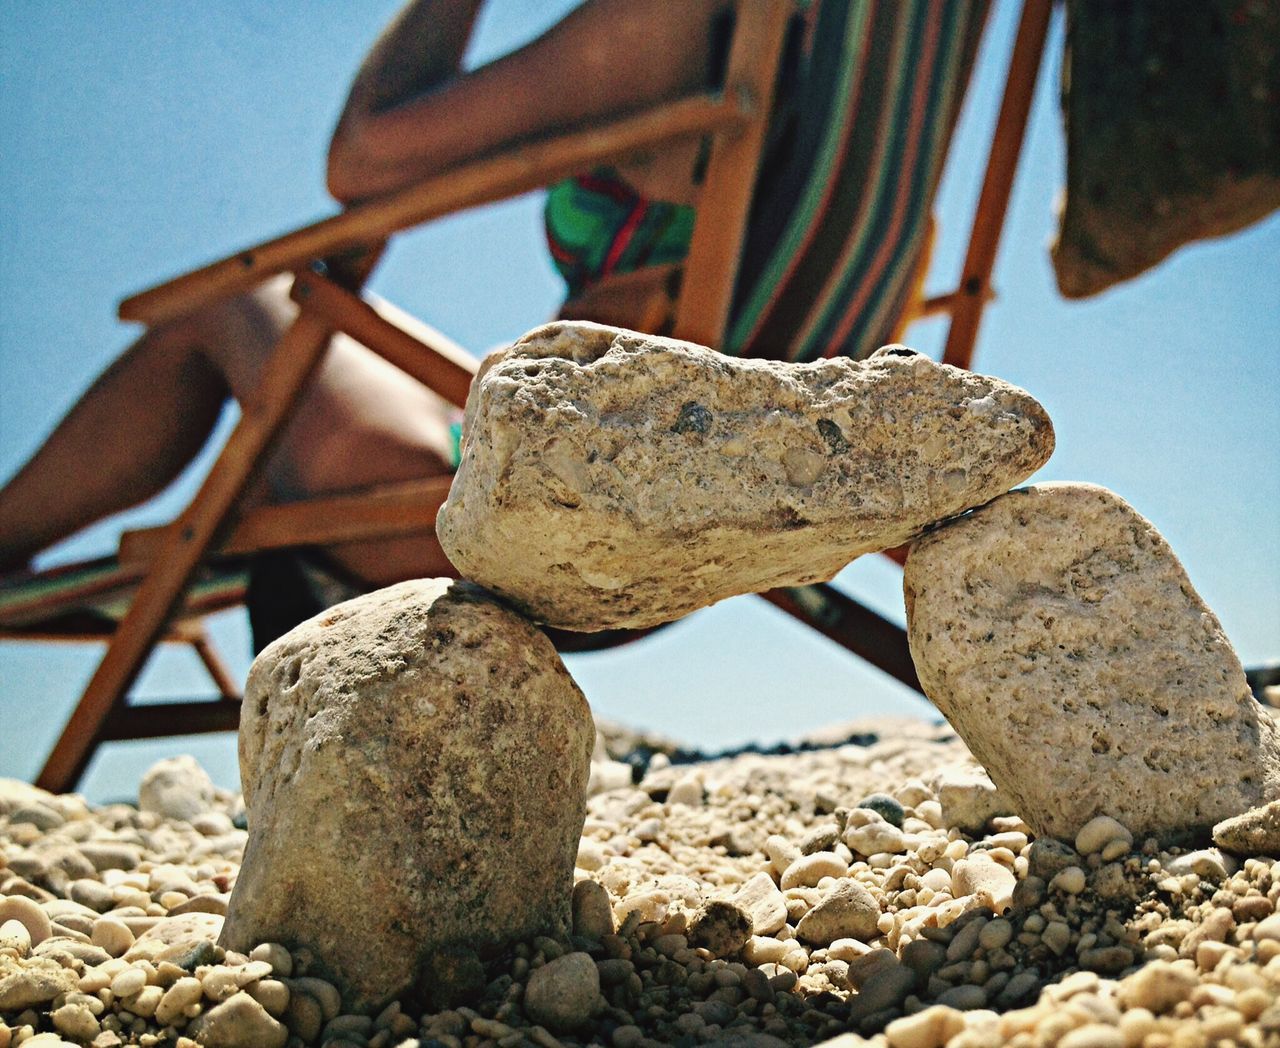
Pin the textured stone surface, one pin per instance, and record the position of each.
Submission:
(611, 479)
(177, 938)
(1256, 832)
(414, 764)
(1059, 635)
(848, 911)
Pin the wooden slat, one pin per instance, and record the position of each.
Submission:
(993, 202)
(160, 720)
(382, 512)
(283, 377)
(514, 171)
(858, 629)
(724, 200)
(440, 365)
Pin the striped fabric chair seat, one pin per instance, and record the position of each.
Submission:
(840, 218)
(89, 598)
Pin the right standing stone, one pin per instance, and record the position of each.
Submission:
(1058, 633)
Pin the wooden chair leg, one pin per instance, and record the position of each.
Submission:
(292, 363)
(993, 202)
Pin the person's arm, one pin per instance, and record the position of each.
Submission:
(605, 58)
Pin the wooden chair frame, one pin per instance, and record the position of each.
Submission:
(332, 259)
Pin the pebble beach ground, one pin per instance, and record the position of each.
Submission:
(868, 888)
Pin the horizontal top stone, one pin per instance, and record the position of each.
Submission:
(613, 479)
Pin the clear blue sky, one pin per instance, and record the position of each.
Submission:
(142, 138)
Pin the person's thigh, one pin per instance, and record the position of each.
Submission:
(360, 422)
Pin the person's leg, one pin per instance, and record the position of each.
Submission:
(361, 422)
(132, 433)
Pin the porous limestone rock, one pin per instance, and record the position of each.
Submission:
(414, 764)
(1255, 832)
(1057, 632)
(613, 479)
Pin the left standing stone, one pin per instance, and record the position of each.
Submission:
(414, 765)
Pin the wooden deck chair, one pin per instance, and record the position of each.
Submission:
(332, 259)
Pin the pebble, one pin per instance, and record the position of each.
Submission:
(876, 838)
(888, 808)
(93, 894)
(240, 1022)
(989, 882)
(41, 816)
(275, 955)
(15, 936)
(885, 988)
(1208, 864)
(808, 870)
(1100, 831)
(1255, 832)
(76, 1021)
(177, 788)
(1047, 856)
(658, 986)
(128, 982)
(1093, 1035)
(995, 935)
(31, 982)
(763, 902)
(1070, 879)
(112, 935)
(177, 999)
(29, 914)
(563, 993)
(687, 790)
(591, 856)
(304, 1017)
(111, 855)
(592, 911)
(272, 994)
(931, 1027)
(1158, 986)
(721, 928)
(963, 998)
(848, 911)
(969, 799)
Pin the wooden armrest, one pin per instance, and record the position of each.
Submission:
(390, 509)
(514, 171)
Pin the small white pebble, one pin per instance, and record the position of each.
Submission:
(128, 982)
(1070, 879)
(112, 935)
(1100, 831)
